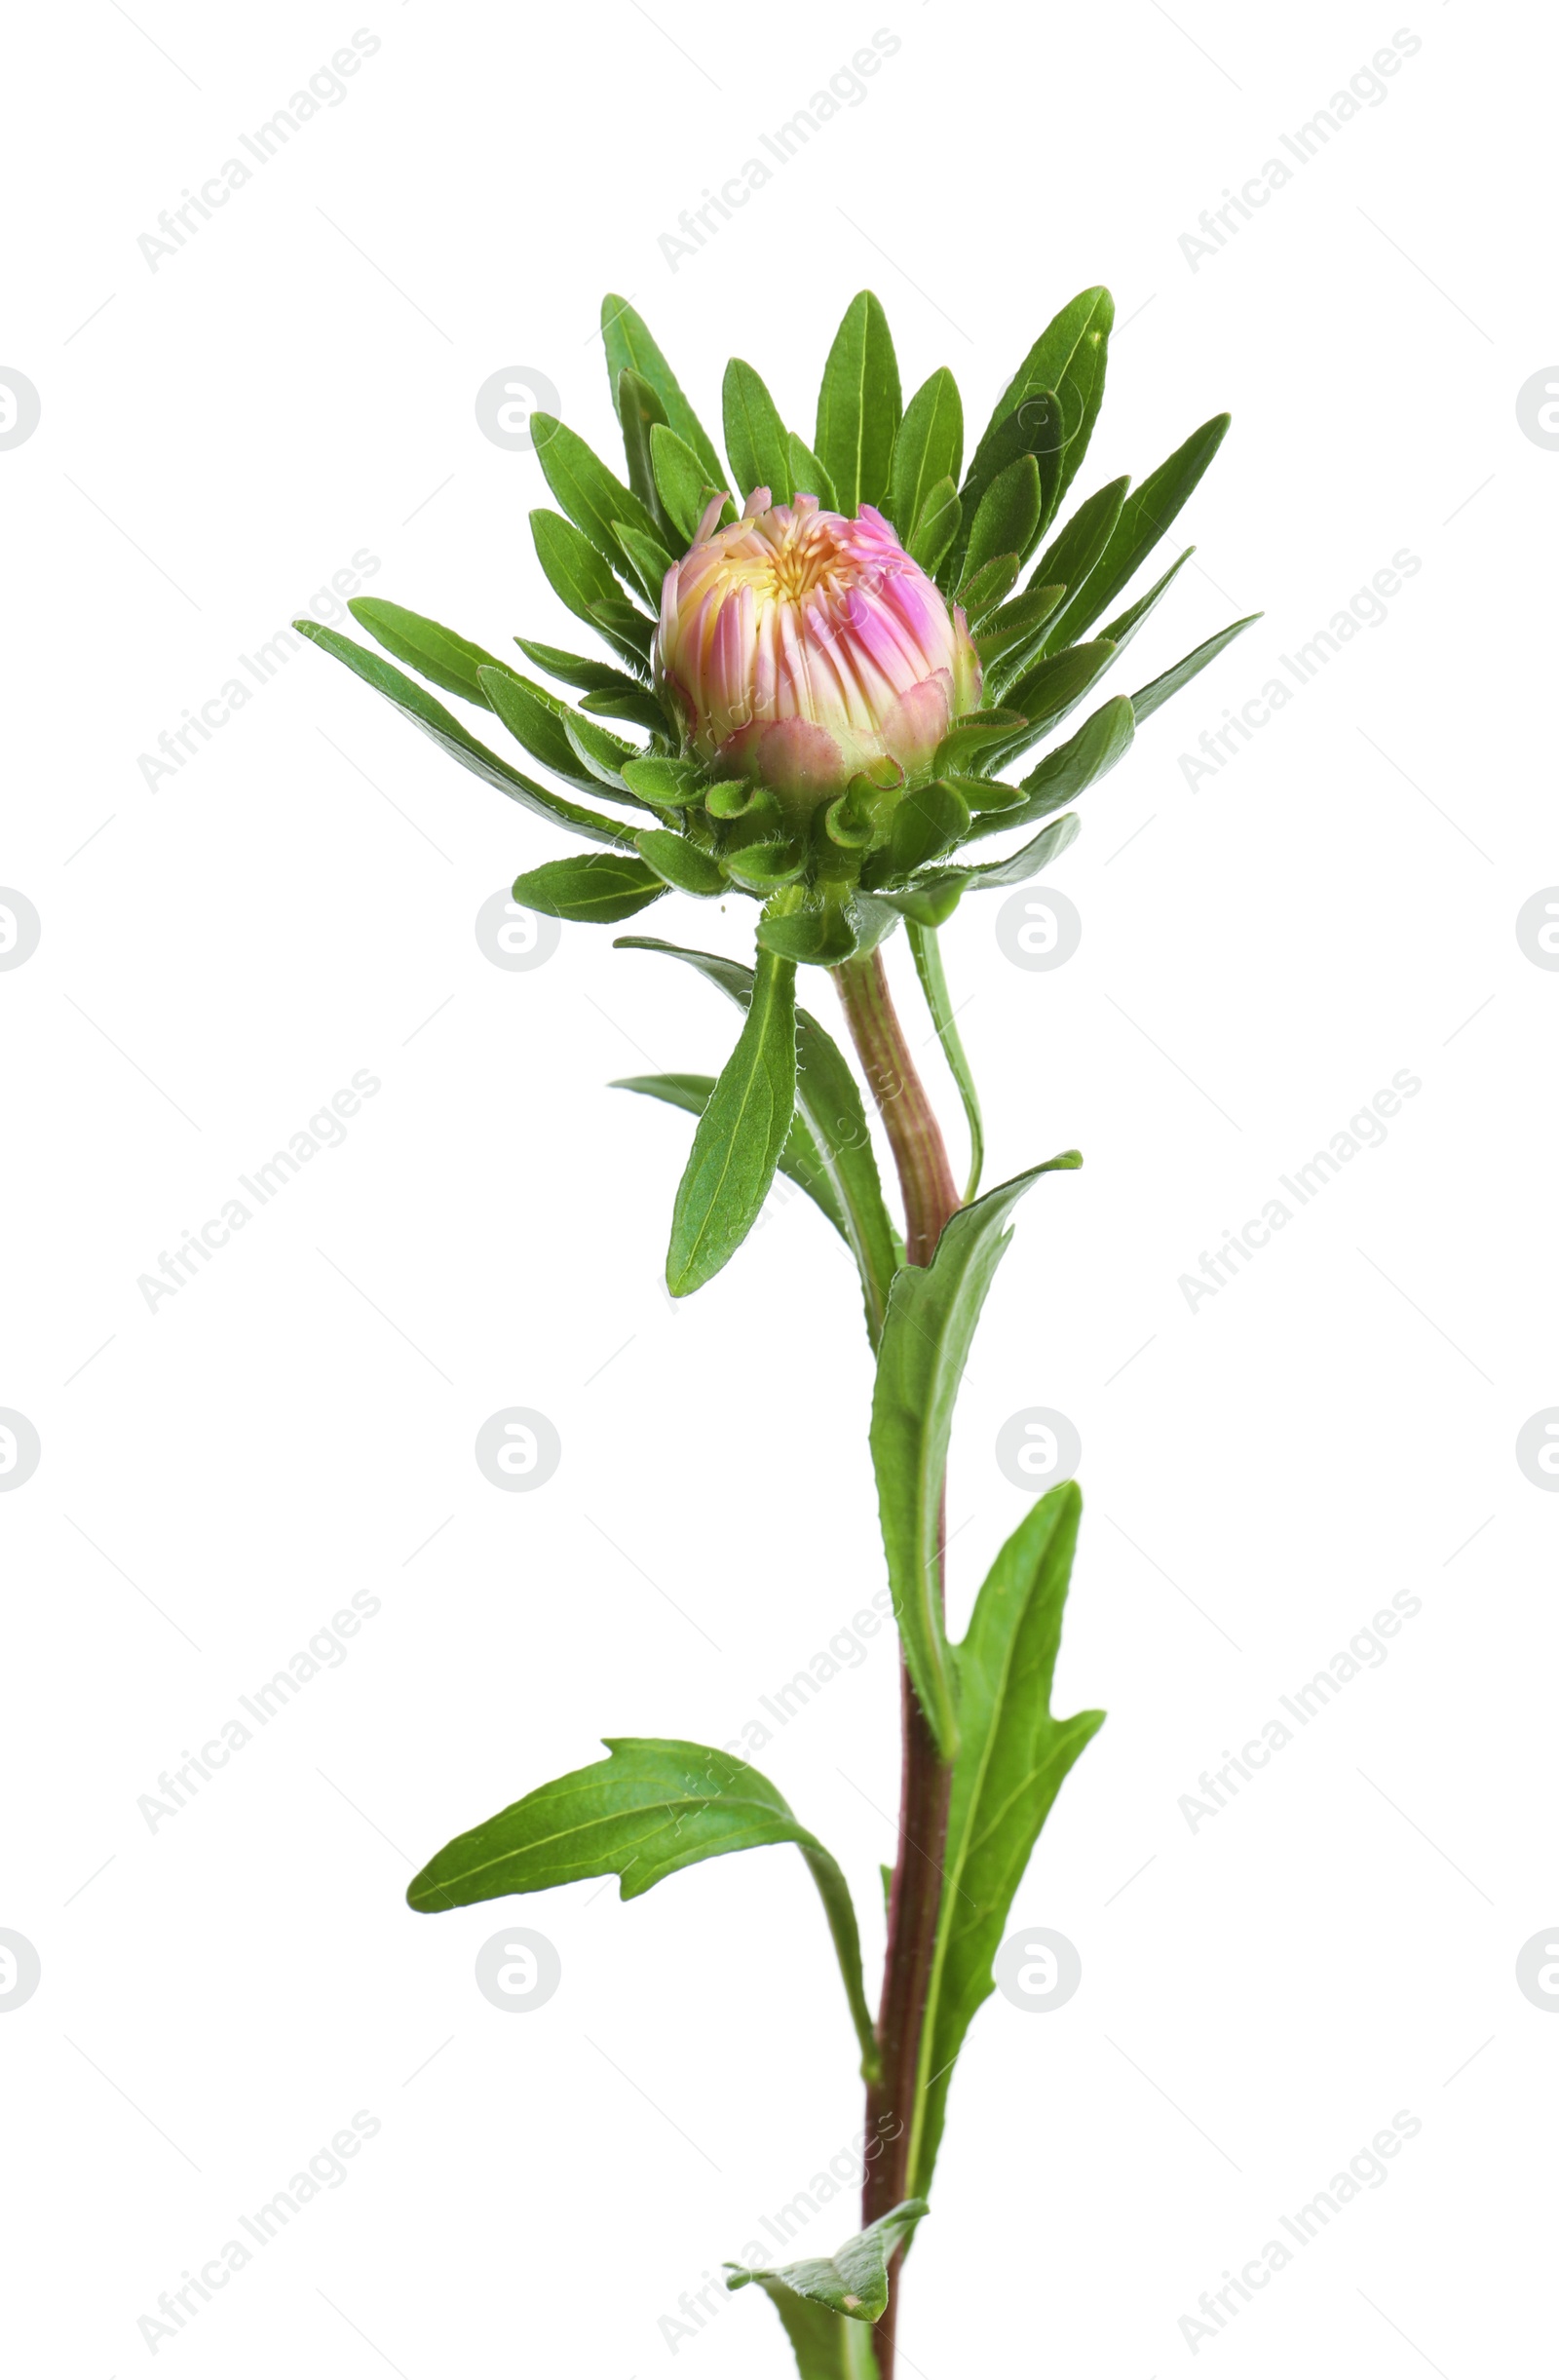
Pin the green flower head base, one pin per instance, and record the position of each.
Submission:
(831, 672)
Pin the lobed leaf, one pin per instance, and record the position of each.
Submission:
(854, 2281)
(650, 1808)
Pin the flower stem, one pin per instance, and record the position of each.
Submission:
(914, 1901)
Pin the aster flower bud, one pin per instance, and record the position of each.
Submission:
(802, 649)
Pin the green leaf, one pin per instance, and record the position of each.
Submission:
(930, 900)
(970, 734)
(925, 944)
(1124, 626)
(1068, 359)
(931, 1313)
(1071, 554)
(579, 669)
(929, 448)
(634, 703)
(449, 734)
(1013, 1760)
(826, 2346)
(594, 498)
(1032, 426)
(1148, 700)
(754, 435)
(1007, 518)
(828, 1097)
(937, 529)
(664, 783)
(807, 476)
(639, 409)
(1011, 632)
(930, 820)
(599, 890)
(630, 347)
(583, 581)
(860, 405)
(602, 753)
(1145, 516)
(1045, 692)
(739, 1136)
(854, 2281)
(989, 587)
(653, 1807)
(536, 719)
(685, 868)
(435, 653)
(686, 489)
(799, 1158)
(1100, 741)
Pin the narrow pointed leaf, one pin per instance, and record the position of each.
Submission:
(1016, 627)
(799, 1158)
(685, 868)
(1067, 359)
(449, 734)
(1071, 554)
(685, 485)
(987, 589)
(860, 405)
(807, 476)
(1103, 738)
(1007, 518)
(435, 653)
(1148, 700)
(583, 580)
(925, 945)
(937, 530)
(650, 1808)
(929, 448)
(1013, 1758)
(754, 435)
(536, 719)
(1145, 516)
(603, 755)
(828, 1097)
(1124, 626)
(854, 2281)
(926, 1341)
(739, 1136)
(649, 557)
(585, 671)
(630, 346)
(594, 498)
(635, 704)
(1046, 692)
(599, 889)
(930, 820)
(929, 900)
(639, 409)
(1032, 426)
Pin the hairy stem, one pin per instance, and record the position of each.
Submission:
(914, 1901)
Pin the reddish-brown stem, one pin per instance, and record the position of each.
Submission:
(914, 1901)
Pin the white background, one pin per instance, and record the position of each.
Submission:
(220, 954)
